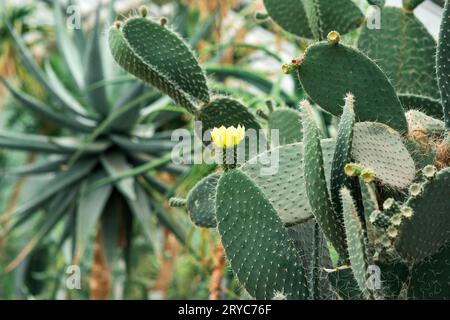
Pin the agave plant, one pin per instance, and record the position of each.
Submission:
(102, 171)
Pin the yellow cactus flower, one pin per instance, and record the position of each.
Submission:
(227, 137)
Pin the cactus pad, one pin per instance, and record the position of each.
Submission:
(325, 16)
(403, 49)
(378, 147)
(342, 155)
(329, 71)
(285, 188)
(201, 202)
(288, 122)
(427, 105)
(443, 63)
(316, 187)
(428, 229)
(256, 243)
(224, 111)
(355, 241)
(160, 57)
(430, 279)
(420, 121)
(290, 15)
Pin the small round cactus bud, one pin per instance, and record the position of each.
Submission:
(292, 66)
(163, 21)
(406, 212)
(390, 206)
(379, 219)
(270, 104)
(177, 202)
(392, 232)
(333, 37)
(143, 11)
(368, 175)
(396, 219)
(118, 24)
(261, 16)
(415, 189)
(260, 113)
(429, 171)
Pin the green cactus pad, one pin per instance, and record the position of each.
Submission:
(430, 279)
(427, 105)
(290, 15)
(201, 202)
(343, 281)
(380, 148)
(160, 57)
(370, 204)
(224, 111)
(288, 122)
(256, 243)
(329, 71)
(163, 49)
(403, 49)
(355, 242)
(342, 155)
(420, 121)
(325, 16)
(128, 60)
(427, 230)
(285, 188)
(410, 5)
(313, 250)
(443, 63)
(393, 277)
(316, 187)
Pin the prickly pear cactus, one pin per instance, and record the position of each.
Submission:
(375, 197)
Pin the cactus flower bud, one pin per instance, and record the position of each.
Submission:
(143, 11)
(333, 37)
(163, 21)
